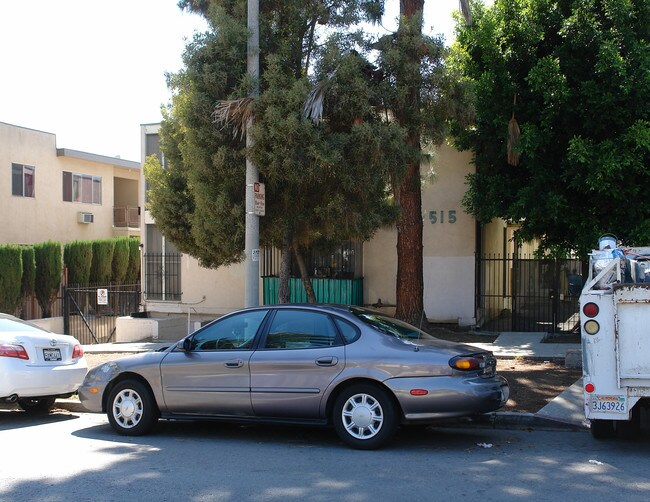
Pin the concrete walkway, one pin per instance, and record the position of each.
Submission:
(566, 410)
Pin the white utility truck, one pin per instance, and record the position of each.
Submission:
(615, 332)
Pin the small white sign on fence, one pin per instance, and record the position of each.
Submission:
(102, 297)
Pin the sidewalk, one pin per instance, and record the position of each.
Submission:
(565, 411)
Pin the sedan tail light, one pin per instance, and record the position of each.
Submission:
(17, 351)
(77, 352)
(484, 363)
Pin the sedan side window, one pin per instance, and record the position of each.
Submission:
(296, 329)
(233, 332)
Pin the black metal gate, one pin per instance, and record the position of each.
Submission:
(90, 313)
(528, 294)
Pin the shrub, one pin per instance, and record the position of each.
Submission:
(102, 262)
(49, 266)
(11, 272)
(120, 259)
(78, 258)
(29, 270)
(133, 271)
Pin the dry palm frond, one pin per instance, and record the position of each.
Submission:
(467, 13)
(234, 112)
(513, 141)
(313, 109)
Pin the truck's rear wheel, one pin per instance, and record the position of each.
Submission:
(603, 429)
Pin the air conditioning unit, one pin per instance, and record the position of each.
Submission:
(85, 217)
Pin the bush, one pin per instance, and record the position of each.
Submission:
(133, 271)
(78, 258)
(11, 272)
(102, 262)
(29, 270)
(49, 266)
(120, 259)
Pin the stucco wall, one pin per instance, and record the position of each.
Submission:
(449, 246)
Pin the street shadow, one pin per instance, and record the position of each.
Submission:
(15, 418)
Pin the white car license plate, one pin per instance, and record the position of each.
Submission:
(52, 354)
(609, 404)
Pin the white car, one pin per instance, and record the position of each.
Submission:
(37, 366)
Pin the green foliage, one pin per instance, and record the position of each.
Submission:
(120, 260)
(29, 270)
(11, 271)
(320, 184)
(49, 267)
(101, 271)
(579, 70)
(78, 258)
(133, 269)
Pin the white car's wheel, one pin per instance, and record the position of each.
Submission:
(365, 417)
(37, 405)
(131, 408)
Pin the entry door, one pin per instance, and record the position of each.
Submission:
(213, 376)
(300, 357)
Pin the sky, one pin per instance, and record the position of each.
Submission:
(92, 71)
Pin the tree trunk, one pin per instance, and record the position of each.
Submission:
(284, 293)
(410, 282)
(304, 275)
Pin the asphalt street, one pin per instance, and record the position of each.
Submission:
(77, 457)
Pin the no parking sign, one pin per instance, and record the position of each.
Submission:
(102, 297)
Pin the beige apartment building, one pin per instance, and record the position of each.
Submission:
(52, 193)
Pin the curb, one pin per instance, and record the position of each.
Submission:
(495, 420)
(514, 420)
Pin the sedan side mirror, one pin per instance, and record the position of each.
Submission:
(185, 344)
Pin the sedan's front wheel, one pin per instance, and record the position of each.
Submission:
(131, 408)
(365, 417)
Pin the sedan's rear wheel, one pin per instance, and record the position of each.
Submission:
(37, 405)
(131, 408)
(365, 417)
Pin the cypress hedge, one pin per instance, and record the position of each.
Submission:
(29, 270)
(78, 258)
(49, 267)
(11, 272)
(133, 271)
(120, 259)
(102, 263)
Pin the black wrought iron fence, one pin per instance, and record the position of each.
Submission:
(525, 293)
(90, 312)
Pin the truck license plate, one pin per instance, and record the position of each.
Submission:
(52, 354)
(609, 404)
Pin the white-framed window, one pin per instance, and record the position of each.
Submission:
(82, 188)
(22, 180)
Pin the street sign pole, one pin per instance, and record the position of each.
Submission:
(252, 239)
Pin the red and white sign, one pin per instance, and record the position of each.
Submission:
(260, 199)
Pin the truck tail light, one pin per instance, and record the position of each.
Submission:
(590, 309)
(591, 327)
(590, 388)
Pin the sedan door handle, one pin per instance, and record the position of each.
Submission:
(234, 364)
(327, 361)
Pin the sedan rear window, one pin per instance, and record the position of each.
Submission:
(8, 325)
(392, 326)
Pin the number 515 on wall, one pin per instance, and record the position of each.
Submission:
(443, 216)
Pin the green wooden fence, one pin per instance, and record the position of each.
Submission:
(334, 291)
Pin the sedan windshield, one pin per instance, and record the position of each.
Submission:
(391, 326)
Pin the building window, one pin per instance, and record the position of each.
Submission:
(82, 188)
(22, 180)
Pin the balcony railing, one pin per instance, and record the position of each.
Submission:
(126, 216)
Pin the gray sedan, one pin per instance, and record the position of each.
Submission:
(359, 370)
